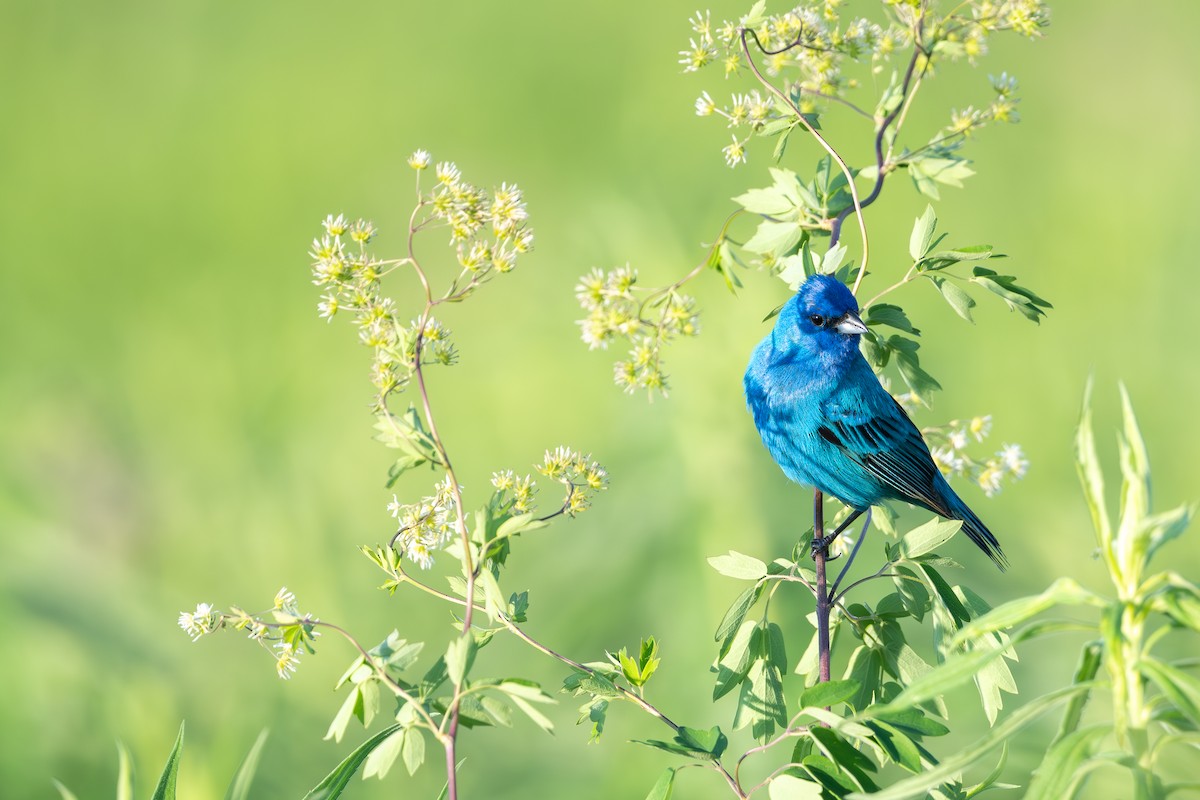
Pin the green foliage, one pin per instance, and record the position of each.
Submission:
(848, 737)
(239, 787)
(1152, 700)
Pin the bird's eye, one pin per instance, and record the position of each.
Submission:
(817, 319)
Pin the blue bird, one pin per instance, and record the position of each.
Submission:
(828, 422)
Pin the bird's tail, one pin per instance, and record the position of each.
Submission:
(973, 527)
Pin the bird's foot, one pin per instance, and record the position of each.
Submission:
(822, 545)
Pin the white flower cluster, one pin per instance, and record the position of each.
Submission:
(952, 457)
(427, 525)
(580, 474)
(615, 310)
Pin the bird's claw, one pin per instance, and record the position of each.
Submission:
(822, 545)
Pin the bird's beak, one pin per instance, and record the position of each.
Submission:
(850, 324)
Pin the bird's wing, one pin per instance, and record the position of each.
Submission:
(885, 442)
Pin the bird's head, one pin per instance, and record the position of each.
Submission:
(822, 317)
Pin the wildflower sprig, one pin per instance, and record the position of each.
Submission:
(283, 630)
(647, 319)
(489, 231)
(950, 446)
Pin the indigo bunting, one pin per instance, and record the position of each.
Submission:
(828, 422)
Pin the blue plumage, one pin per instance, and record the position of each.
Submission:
(828, 422)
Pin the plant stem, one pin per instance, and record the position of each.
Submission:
(822, 591)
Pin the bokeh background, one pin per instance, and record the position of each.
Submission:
(176, 424)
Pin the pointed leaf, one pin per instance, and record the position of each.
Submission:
(739, 565)
(922, 234)
(1056, 778)
(789, 787)
(951, 767)
(829, 693)
(663, 786)
(170, 774)
(239, 789)
(959, 300)
(125, 771)
(331, 787)
(928, 537)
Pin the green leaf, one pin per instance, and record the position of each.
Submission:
(993, 776)
(538, 718)
(928, 537)
(1063, 591)
(949, 768)
(950, 171)
(760, 702)
(736, 614)
(1015, 297)
(413, 749)
(380, 759)
(165, 790)
(852, 763)
(954, 671)
(789, 787)
(890, 315)
(738, 565)
(899, 747)
(829, 693)
(959, 300)
(912, 591)
(663, 786)
(125, 770)
(1089, 665)
(1090, 476)
(913, 722)
(775, 238)
(1056, 778)
(460, 654)
(396, 654)
(735, 663)
(832, 259)
(1181, 604)
(239, 788)
(406, 432)
(341, 720)
(918, 380)
(63, 792)
(594, 684)
(692, 742)
(1180, 688)
(520, 524)
(494, 601)
(922, 234)
(648, 659)
(944, 258)
(331, 787)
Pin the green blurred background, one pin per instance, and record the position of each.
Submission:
(176, 424)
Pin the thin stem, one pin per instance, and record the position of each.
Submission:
(634, 697)
(850, 560)
(835, 230)
(880, 132)
(822, 592)
(908, 276)
(879, 574)
(790, 732)
(391, 683)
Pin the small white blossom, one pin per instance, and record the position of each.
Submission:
(286, 660)
(419, 160)
(199, 622)
(1012, 458)
(735, 153)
